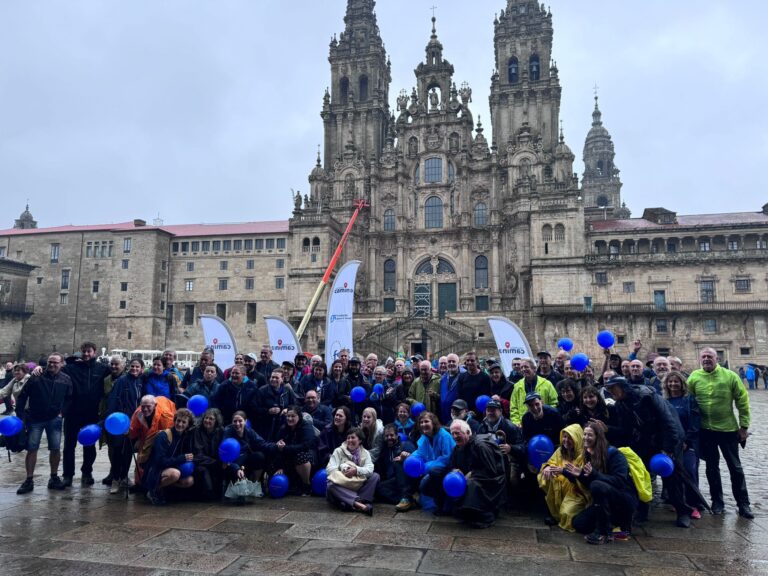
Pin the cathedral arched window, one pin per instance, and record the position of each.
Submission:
(600, 167)
(305, 245)
(481, 272)
(602, 201)
(559, 233)
(344, 89)
(363, 92)
(451, 173)
(546, 233)
(389, 220)
(433, 170)
(534, 67)
(315, 244)
(481, 214)
(513, 70)
(390, 276)
(433, 212)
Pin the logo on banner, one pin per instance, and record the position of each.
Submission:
(217, 346)
(509, 349)
(281, 347)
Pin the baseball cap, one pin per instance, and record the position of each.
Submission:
(493, 404)
(459, 404)
(532, 396)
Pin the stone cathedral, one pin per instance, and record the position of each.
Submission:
(466, 221)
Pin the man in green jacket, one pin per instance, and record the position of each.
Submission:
(717, 389)
(530, 382)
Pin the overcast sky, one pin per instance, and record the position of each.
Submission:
(208, 111)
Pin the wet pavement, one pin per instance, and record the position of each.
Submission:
(84, 530)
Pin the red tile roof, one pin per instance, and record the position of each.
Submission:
(719, 220)
(241, 228)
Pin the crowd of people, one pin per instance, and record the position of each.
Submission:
(419, 421)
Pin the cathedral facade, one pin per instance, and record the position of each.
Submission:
(462, 225)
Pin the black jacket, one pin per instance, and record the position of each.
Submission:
(648, 423)
(513, 435)
(616, 474)
(87, 387)
(125, 396)
(268, 397)
(45, 397)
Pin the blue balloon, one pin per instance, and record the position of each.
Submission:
(414, 466)
(481, 402)
(278, 486)
(117, 423)
(579, 361)
(89, 435)
(455, 484)
(661, 465)
(320, 482)
(187, 469)
(10, 426)
(540, 449)
(565, 343)
(198, 404)
(248, 424)
(378, 389)
(229, 450)
(606, 339)
(357, 394)
(417, 409)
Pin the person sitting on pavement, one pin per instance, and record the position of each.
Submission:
(541, 419)
(480, 459)
(332, 436)
(394, 486)
(256, 454)
(564, 498)
(151, 417)
(510, 440)
(530, 382)
(168, 456)
(296, 443)
(605, 474)
(351, 477)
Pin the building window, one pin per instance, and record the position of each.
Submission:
(344, 90)
(601, 278)
(629, 287)
(433, 212)
(389, 220)
(65, 279)
(249, 264)
(534, 68)
(127, 245)
(733, 244)
(162, 305)
(39, 280)
(413, 150)
(123, 286)
(221, 311)
(559, 233)
(250, 313)
(123, 304)
(305, 244)
(226, 245)
(95, 287)
(206, 246)
(761, 244)
(661, 326)
(164, 265)
(704, 246)
(162, 288)
(546, 233)
(481, 272)
(745, 351)
(237, 245)
(481, 214)
(315, 244)
(280, 244)
(189, 285)
(481, 303)
(270, 244)
(362, 94)
(671, 247)
(743, 285)
(223, 283)
(433, 170)
(64, 298)
(313, 259)
(175, 246)
(707, 290)
(710, 325)
(196, 246)
(55, 253)
(513, 70)
(280, 263)
(416, 173)
(189, 314)
(588, 304)
(249, 283)
(279, 282)
(223, 265)
(390, 275)
(124, 264)
(451, 173)
(185, 246)
(248, 244)
(258, 244)
(168, 317)
(216, 245)
(388, 305)
(130, 334)
(190, 266)
(2, 251)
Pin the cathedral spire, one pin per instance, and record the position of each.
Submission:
(601, 184)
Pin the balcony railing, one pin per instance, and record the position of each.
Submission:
(675, 257)
(651, 308)
(14, 309)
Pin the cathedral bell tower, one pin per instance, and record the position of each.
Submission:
(601, 185)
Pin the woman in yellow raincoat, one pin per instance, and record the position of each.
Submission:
(565, 499)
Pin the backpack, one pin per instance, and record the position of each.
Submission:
(639, 474)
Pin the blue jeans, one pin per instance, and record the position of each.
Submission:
(52, 429)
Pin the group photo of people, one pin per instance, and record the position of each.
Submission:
(584, 446)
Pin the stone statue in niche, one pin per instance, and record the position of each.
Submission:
(349, 186)
(434, 100)
(413, 147)
(297, 201)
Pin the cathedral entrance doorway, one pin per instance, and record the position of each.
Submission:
(446, 298)
(434, 279)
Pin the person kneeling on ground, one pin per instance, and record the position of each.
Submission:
(481, 461)
(606, 475)
(254, 451)
(168, 455)
(351, 479)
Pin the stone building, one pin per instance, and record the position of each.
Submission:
(462, 225)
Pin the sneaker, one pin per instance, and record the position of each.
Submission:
(27, 486)
(107, 480)
(55, 483)
(696, 515)
(115, 488)
(67, 481)
(597, 539)
(404, 505)
(87, 480)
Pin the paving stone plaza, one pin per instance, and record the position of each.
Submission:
(84, 530)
